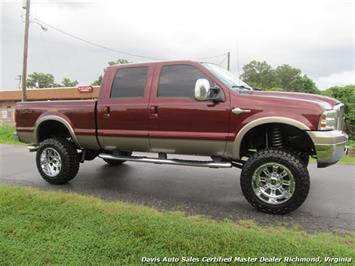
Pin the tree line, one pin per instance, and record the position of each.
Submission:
(261, 75)
(46, 80)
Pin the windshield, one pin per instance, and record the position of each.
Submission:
(230, 80)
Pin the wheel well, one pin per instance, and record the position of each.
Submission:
(50, 129)
(259, 138)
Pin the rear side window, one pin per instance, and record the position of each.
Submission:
(178, 81)
(129, 82)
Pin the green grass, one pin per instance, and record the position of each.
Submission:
(47, 228)
(6, 135)
(348, 160)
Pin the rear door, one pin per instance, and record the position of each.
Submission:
(179, 123)
(122, 109)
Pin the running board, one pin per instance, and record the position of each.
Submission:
(211, 164)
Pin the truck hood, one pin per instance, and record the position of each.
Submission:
(326, 103)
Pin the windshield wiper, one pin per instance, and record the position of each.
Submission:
(241, 87)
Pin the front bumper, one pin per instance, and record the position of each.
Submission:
(330, 146)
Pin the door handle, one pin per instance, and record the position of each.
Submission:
(238, 110)
(107, 113)
(154, 111)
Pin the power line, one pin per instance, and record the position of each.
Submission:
(224, 59)
(212, 57)
(36, 20)
(93, 43)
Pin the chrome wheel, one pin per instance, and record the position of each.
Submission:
(51, 162)
(273, 183)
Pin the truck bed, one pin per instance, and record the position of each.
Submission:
(79, 114)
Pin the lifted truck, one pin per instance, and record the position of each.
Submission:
(192, 108)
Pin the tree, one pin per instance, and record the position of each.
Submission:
(40, 80)
(303, 84)
(118, 62)
(110, 63)
(284, 77)
(346, 95)
(97, 82)
(69, 83)
(260, 75)
(286, 74)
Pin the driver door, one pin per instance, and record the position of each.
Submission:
(179, 123)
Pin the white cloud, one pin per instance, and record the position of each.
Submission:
(315, 36)
(336, 79)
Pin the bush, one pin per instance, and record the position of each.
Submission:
(346, 95)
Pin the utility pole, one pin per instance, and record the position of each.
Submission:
(25, 51)
(19, 78)
(228, 61)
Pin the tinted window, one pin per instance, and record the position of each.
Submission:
(178, 81)
(129, 82)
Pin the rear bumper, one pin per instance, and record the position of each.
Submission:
(330, 146)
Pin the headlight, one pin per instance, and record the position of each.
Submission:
(328, 120)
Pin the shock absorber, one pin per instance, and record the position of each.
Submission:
(276, 137)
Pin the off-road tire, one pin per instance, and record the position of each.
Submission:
(283, 157)
(70, 160)
(303, 156)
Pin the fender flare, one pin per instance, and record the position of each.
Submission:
(59, 119)
(261, 121)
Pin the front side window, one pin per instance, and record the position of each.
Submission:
(178, 81)
(129, 82)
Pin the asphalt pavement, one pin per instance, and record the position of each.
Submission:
(214, 193)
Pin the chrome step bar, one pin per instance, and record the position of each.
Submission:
(211, 164)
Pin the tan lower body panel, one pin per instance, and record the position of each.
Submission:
(176, 146)
(26, 137)
(188, 146)
(88, 141)
(125, 143)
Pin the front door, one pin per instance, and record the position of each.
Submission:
(179, 123)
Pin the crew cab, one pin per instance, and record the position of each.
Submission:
(190, 108)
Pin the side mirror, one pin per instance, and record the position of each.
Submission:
(202, 87)
(204, 91)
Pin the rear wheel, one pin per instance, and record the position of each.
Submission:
(275, 181)
(57, 160)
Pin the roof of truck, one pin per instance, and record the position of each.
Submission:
(151, 62)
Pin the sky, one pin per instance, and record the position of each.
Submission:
(316, 36)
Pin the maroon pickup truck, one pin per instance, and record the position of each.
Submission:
(190, 108)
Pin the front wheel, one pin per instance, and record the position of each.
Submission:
(57, 160)
(275, 181)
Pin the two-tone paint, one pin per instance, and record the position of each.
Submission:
(169, 124)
